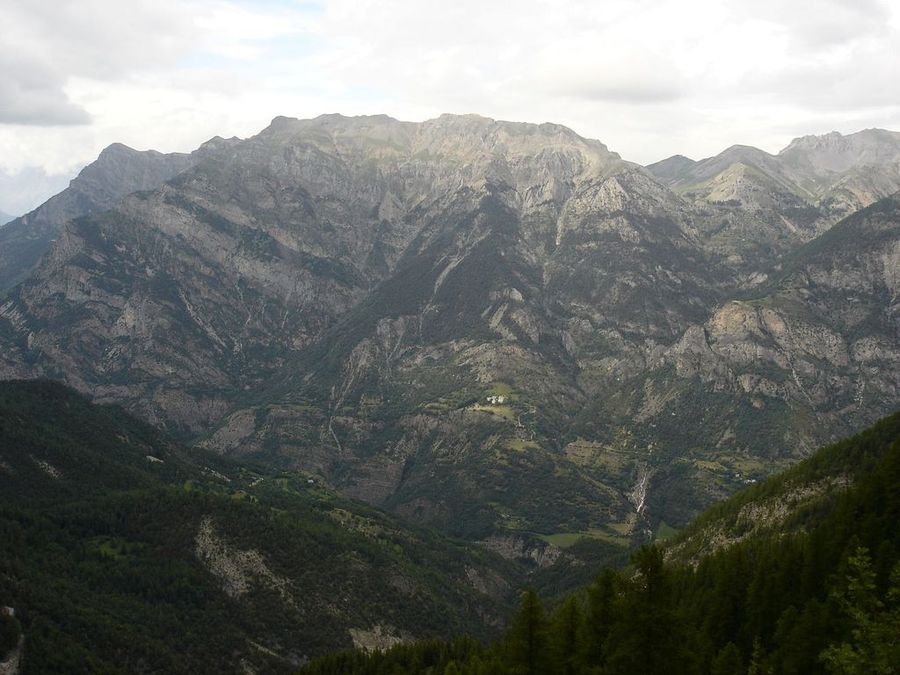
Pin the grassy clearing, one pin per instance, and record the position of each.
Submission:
(715, 467)
(665, 531)
(567, 539)
(563, 539)
(114, 547)
(623, 529)
(502, 389)
(355, 523)
(502, 411)
(520, 445)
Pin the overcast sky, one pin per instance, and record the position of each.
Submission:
(650, 78)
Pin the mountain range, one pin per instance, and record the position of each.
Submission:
(503, 330)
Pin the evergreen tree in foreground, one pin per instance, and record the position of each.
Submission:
(874, 644)
(527, 647)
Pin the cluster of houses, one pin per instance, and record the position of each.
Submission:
(496, 400)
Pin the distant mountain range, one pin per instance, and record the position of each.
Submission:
(504, 330)
(780, 200)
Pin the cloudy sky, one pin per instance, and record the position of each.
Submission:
(650, 78)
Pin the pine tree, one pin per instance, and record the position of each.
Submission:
(566, 637)
(599, 618)
(874, 647)
(528, 637)
(759, 664)
(647, 636)
(728, 661)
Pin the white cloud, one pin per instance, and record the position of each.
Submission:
(46, 42)
(21, 191)
(648, 77)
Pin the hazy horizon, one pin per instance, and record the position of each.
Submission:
(649, 79)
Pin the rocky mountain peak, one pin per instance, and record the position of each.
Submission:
(216, 144)
(118, 171)
(510, 138)
(671, 167)
(470, 142)
(835, 152)
(114, 149)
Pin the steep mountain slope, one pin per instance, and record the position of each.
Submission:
(458, 234)
(849, 172)
(208, 282)
(125, 552)
(766, 379)
(805, 498)
(758, 206)
(502, 329)
(471, 359)
(118, 171)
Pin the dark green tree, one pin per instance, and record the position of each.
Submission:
(759, 661)
(874, 644)
(528, 648)
(647, 636)
(10, 630)
(728, 661)
(565, 637)
(601, 600)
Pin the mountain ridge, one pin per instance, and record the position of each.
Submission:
(788, 198)
(351, 296)
(117, 171)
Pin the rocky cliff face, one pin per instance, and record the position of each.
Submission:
(118, 171)
(482, 325)
(761, 206)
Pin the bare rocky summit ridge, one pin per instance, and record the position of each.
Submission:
(117, 172)
(767, 204)
(483, 325)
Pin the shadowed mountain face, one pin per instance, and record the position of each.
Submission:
(489, 326)
(118, 171)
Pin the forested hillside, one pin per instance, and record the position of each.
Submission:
(798, 575)
(122, 552)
